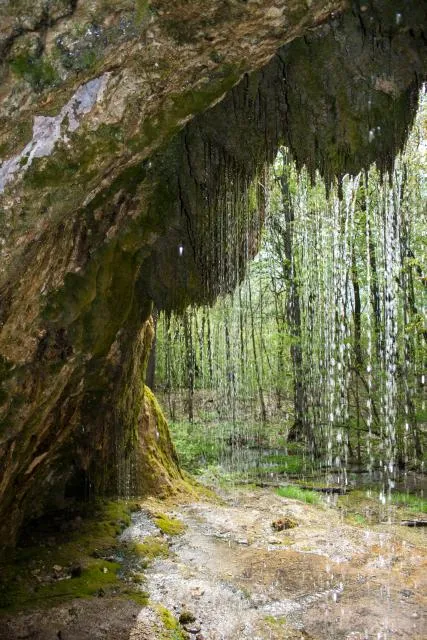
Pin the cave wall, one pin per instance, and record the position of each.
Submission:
(133, 188)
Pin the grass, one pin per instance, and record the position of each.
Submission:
(232, 453)
(363, 506)
(357, 519)
(415, 504)
(295, 493)
(282, 463)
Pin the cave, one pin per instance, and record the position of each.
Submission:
(133, 139)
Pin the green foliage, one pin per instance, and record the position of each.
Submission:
(195, 447)
(414, 503)
(308, 344)
(295, 493)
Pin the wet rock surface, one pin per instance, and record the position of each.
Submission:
(323, 579)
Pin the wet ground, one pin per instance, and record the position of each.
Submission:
(239, 579)
(322, 579)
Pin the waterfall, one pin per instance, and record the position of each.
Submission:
(323, 338)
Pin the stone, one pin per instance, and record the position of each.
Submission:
(192, 629)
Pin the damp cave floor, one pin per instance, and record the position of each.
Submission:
(324, 579)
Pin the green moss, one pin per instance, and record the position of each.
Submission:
(152, 547)
(169, 526)
(140, 597)
(168, 619)
(142, 9)
(171, 628)
(40, 73)
(197, 100)
(356, 519)
(30, 577)
(275, 622)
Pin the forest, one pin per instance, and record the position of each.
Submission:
(321, 350)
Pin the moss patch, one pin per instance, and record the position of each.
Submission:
(152, 547)
(81, 561)
(169, 526)
(40, 73)
(171, 628)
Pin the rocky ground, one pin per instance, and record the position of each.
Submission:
(232, 575)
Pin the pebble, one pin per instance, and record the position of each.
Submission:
(193, 630)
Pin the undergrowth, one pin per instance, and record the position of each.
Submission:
(295, 493)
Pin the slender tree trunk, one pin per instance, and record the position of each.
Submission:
(357, 313)
(256, 361)
(374, 293)
(293, 310)
(280, 366)
(189, 364)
